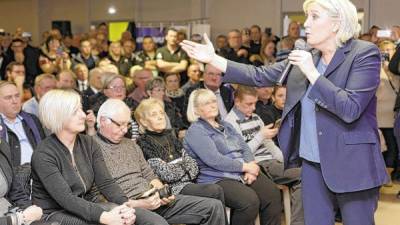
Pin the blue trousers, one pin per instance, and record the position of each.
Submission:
(320, 204)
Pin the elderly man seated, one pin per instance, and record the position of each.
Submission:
(126, 164)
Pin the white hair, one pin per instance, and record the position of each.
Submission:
(345, 12)
(113, 108)
(56, 107)
(197, 98)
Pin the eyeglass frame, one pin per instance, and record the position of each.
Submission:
(120, 126)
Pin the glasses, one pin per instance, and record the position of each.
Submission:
(120, 125)
(117, 88)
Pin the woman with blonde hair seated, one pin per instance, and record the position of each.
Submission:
(225, 159)
(165, 154)
(67, 164)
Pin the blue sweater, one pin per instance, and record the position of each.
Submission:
(219, 154)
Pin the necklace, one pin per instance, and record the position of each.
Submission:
(168, 150)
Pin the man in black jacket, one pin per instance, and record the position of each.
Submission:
(21, 130)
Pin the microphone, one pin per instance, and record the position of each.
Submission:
(300, 44)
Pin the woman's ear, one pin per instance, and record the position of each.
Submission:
(335, 27)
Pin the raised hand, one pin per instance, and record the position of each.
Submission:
(201, 52)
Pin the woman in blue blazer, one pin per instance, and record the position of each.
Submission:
(329, 120)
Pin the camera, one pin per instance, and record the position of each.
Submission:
(163, 192)
(385, 57)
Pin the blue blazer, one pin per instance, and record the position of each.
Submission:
(348, 139)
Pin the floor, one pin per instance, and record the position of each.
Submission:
(388, 212)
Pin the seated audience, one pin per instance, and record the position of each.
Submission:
(274, 111)
(286, 45)
(140, 78)
(67, 164)
(264, 101)
(66, 79)
(221, 43)
(255, 40)
(147, 57)
(127, 166)
(225, 159)
(15, 72)
(21, 130)
(171, 58)
(114, 87)
(165, 154)
(266, 153)
(43, 83)
(82, 73)
(115, 56)
(194, 75)
(155, 88)
(212, 80)
(95, 86)
(235, 50)
(85, 55)
(129, 47)
(10, 195)
(53, 57)
(173, 89)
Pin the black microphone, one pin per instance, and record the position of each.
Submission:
(300, 44)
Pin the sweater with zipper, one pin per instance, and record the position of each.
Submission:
(61, 181)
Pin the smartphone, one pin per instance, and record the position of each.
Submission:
(277, 123)
(59, 51)
(384, 33)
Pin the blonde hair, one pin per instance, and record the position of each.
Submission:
(41, 77)
(107, 78)
(145, 106)
(385, 43)
(345, 12)
(197, 98)
(57, 106)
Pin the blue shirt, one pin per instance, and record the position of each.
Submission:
(17, 128)
(308, 132)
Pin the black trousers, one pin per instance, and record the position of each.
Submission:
(391, 154)
(246, 201)
(206, 190)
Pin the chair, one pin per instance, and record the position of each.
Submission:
(286, 202)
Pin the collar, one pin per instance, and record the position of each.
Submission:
(215, 92)
(239, 114)
(94, 90)
(106, 140)
(178, 48)
(82, 82)
(6, 120)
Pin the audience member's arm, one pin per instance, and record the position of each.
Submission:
(165, 66)
(204, 147)
(182, 66)
(168, 172)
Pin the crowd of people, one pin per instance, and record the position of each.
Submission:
(93, 131)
